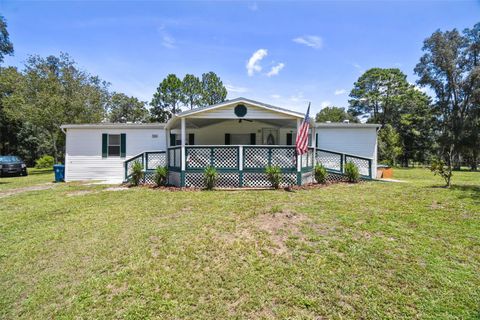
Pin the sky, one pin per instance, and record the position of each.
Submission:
(283, 53)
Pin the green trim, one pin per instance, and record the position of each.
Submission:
(104, 145)
(299, 178)
(123, 145)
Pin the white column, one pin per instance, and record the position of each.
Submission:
(299, 158)
(240, 158)
(183, 133)
(314, 144)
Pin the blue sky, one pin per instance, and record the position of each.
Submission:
(283, 53)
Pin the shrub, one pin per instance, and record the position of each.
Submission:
(351, 170)
(137, 173)
(44, 162)
(274, 175)
(211, 177)
(438, 167)
(161, 175)
(320, 173)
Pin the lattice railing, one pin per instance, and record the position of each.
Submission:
(154, 159)
(128, 164)
(218, 157)
(259, 157)
(150, 160)
(335, 161)
(364, 165)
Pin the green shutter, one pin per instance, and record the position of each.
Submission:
(227, 138)
(123, 145)
(253, 139)
(172, 139)
(104, 145)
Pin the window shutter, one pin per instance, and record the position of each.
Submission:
(289, 139)
(123, 145)
(191, 139)
(104, 145)
(227, 138)
(253, 139)
(172, 139)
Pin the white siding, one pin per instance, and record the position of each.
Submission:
(83, 159)
(356, 141)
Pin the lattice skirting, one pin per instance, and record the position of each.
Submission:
(225, 180)
(260, 180)
(148, 178)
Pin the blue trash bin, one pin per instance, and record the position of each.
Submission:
(59, 172)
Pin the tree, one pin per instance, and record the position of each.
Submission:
(213, 90)
(54, 92)
(334, 114)
(389, 145)
(449, 67)
(375, 93)
(122, 108)
(167, 99)
(6, 47)
(417, 126)
(192, 91)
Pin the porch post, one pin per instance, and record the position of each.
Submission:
(240, 166)
(314, 145)
(299, 158)
(182, 156)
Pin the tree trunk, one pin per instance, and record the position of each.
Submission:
(474, 160)
(55, 149)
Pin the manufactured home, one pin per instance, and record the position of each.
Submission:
(238, 137)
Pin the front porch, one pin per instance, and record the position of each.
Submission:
(240, 139)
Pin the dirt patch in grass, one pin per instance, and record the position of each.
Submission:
(280, 226)
(12, 192)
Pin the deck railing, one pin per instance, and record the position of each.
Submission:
(335, 161)
(150, 160)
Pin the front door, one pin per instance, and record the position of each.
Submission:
(269, 136)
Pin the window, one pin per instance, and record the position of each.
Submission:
(114, 145)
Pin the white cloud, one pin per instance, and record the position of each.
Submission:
(325, 104)
(168, 41)
(253, 6)
(253, 64)
(275, 96)
(275, 69)
(235, 89)
(311, 41)
(339, 92)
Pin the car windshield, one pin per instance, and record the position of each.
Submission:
(9, 159)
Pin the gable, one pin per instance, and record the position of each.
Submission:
(252, 112)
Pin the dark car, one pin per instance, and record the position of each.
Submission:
(12, 166)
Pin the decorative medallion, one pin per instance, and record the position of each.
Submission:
(240, 110)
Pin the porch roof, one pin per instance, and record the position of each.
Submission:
(210, 114)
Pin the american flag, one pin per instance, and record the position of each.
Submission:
(301, 143)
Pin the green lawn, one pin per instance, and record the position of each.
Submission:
(367, 251)
(35, 177)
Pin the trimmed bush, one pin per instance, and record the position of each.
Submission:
(161, 176)
(137, 173)
(320, 174)
(274, 175)
(44, 162)
(210, 177)
(352, 173)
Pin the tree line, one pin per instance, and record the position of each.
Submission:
(415, 127)
(50, 91)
